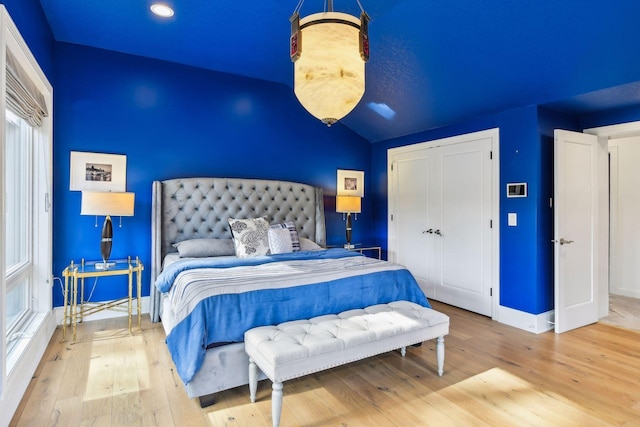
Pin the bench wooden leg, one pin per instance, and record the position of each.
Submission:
(276, 403)
(440, 354)
(253, 379)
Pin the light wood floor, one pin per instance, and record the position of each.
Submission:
(623, 312)
(495, 375)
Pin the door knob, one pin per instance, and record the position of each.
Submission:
(438, 232)
(430, 231)
(562, 241)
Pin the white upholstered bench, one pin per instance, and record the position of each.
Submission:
(293, 349)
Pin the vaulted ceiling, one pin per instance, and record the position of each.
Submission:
(433, 62)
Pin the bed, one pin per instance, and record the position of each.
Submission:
(207, 293)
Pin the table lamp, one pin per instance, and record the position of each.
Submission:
(348, 205)
(107, 204)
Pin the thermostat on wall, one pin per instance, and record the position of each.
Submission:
(517, 189)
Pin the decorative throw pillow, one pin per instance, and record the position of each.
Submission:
(250, 236)
(283, 238)
(279, 240)
(205, 247)
(308, 245)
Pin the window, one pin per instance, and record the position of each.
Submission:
(18, 222)
(26, 314)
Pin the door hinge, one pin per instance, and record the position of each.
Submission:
(391, 167)
(551, 202)
(391, 217)
(490, 155)
(490, 223)
(490, 292)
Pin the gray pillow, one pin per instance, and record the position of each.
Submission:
(205, 248)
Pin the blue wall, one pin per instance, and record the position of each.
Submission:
(175, 121)
(34, 28)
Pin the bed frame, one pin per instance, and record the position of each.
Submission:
(190, 208)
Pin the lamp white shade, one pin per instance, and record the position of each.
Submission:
(107, 203)
(329, 74)
(348, 204)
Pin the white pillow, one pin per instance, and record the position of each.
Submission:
(280, 240)
(250, 237)
(283, 238)
(308, 245)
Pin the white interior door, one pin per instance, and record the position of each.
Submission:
(624, 207)
(575, 234)
(411, 214)
(462, 226)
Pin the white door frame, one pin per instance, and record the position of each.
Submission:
(494, 135)
(604, 133)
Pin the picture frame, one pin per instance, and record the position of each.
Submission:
(97, 172)
(350, 183)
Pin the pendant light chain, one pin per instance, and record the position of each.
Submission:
(327, 7)
(297, 9)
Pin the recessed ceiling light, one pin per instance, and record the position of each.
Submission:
(162, 10)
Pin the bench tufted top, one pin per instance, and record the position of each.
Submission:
(301, 347)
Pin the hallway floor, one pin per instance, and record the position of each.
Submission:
(623, 312)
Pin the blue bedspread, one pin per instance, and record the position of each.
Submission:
(217, 301)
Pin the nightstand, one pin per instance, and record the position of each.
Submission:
(76, 273)
(364, 250)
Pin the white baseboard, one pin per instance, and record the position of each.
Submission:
(536, 323)
(631, 293)
(105, 314)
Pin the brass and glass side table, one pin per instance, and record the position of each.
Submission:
(76, 309)
(365, 250)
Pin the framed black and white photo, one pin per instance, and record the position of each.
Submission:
(350, 183)
(98, 172)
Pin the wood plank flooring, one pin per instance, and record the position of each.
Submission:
(495, 375)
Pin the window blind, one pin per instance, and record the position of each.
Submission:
(23, 97)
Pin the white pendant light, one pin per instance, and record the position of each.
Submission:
(329, 50)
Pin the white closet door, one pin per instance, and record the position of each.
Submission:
(462, 220)
(411, 211)
(441, 207)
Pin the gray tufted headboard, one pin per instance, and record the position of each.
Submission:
(189, 208)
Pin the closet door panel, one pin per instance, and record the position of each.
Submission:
(411, 215)
(465, 240)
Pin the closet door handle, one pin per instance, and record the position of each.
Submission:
(429, 231)
(562, 241)
(439, 233)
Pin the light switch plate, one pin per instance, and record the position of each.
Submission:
(512, 219)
